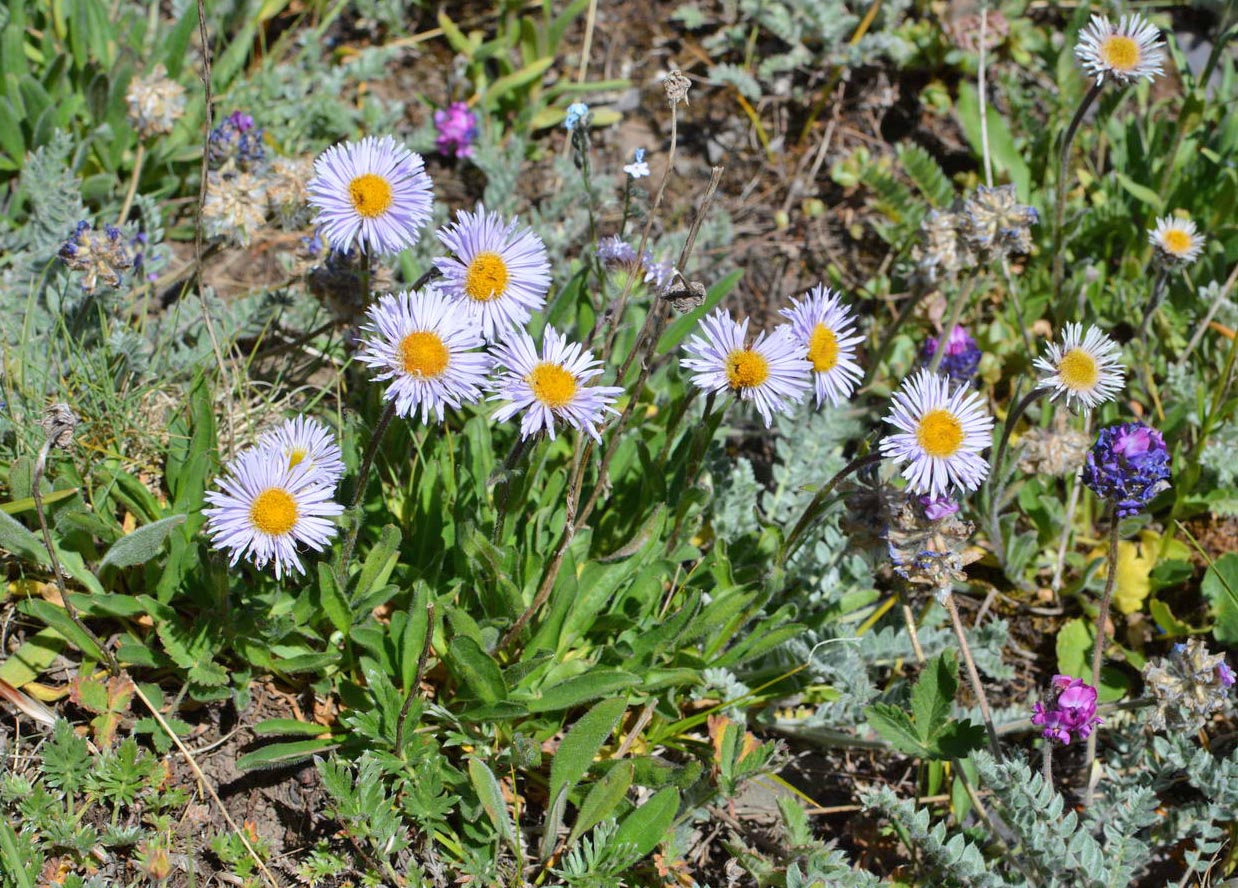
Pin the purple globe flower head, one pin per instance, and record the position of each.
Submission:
(457, 130)
(1068, 712)
(614, 250)
(1225, 674)
(938, 507)
(962, 357)
(236, 140)
(242, 121)
(1128, 465)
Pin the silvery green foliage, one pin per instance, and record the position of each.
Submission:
(829, 870)
(47, 205)
(954, 858)
(596, 860)
(1218, 453)
(722, 683)
(1200, 815)
(816, 34)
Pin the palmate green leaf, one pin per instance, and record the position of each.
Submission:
(934, 692)
(142, 544)
(1220, 586)
(928, 731)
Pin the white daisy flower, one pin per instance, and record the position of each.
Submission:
(266, 508)
(941, 434)
(374, 192)
(772, 372)
(1177, 241)
(422, 342)
(307, 442)
(551, 386)
(498, 272)
(1126, 53)
(824, 326)
(1086, 369)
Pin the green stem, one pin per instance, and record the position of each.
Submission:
(1158, 293)
(956, 311)
(363, 475)
(413, 688)
(973, 676)
(1098, 649)
(1059, 209)
(814, 508)
(996, 483)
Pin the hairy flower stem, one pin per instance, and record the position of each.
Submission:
(40, 466)
(503, 488)
(363, 475)
(415, 686)
(996, 482)
(887, 341)
(816, 505)
(1046, 761)
(704, 433)
(956, 311)
(973, 676)
(1059, 206)
(1158, 293)
(138, 160)
(1098, 649)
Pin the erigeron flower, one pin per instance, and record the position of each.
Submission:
(156, 102)
(235, 206)
(265, 509)
(423, 344)
(498, 272)
(825, 329)
(98, 255)
(374, 193)
(1188, 686)
(457, 129)
(1127, 52)
(305, 441)
(551, 386)
(614, 250)
(940, 435)
(1177, 241)
(660, 275)
(1069, 712)
(638, 169)
(962, 357)
(772, 372)
(1128, 466)
(1086, 369)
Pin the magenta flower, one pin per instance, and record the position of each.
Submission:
(962, 357)
(1068, 711)
(1225, 674)
(938, 507)
(457, 128)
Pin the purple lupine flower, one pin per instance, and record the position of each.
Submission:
(938, 507)
(1128, 465)
(1068, 712)
(1225, 674)
(457, 129)
(99, 255)
(238, 140)
(962, 357)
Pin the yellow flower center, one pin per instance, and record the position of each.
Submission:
(370, 194)
(746, 369)
(940, 433)
(274, 511)
(1078, 370)
(1176, 241)
(296, 456)
(1120, 53)
(553, 385)
(487, 277)
(423, 354)
(823, 349)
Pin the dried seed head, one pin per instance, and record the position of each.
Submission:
(1058, 451)
(927, 550)
(687, 297)
(59, 423)
(156, 102)
(235, 207)
(101, 256)
(676, 86)
(1188, 686)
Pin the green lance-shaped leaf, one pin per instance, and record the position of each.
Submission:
(142, 545)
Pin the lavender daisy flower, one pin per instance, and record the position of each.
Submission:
(658, 274)
(457, 128)
(825, 328)
(423, 344)
(551, 386)
(1128, 466)
(1086, 369)
(304, 441)
(962, 357)
(1069, 712)
(940, 435)
(374, 192)
(498, 272)
(266, 508)
(772, 372)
